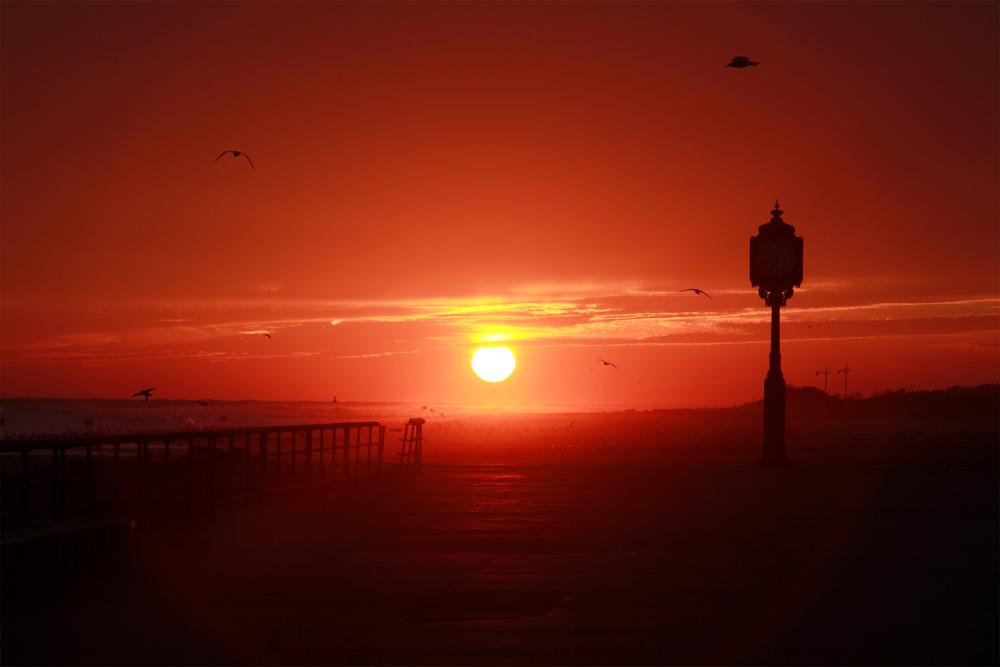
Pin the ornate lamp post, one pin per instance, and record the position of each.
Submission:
(775, 268)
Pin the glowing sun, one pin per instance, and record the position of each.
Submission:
(493, 364)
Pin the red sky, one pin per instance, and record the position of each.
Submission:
(431, 174)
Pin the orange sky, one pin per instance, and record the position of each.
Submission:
(430, 174)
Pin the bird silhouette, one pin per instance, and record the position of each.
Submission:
(607, 363)
(264, 333)
(739, 62)
(144, 392)
(236, 154)
(334, 398)
(697, 291)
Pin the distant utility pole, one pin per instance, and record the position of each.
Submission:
(845, 370)
(826, 376)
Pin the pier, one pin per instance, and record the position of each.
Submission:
(73, 483)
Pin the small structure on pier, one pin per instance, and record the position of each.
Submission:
(412, 452)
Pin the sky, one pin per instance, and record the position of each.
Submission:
(430, 177)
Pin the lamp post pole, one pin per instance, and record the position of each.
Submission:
(774, 391)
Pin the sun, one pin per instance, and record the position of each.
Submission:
(493, 364)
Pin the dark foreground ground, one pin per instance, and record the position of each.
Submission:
(545, 562)
(632, 537)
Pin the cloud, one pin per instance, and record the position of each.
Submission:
(547, 314)
(374, 355)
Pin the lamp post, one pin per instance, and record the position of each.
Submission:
(775, 268)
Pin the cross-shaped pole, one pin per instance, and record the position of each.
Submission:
(845, 370)
(826, 376)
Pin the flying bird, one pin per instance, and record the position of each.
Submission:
(239, 154)
(739, 62)
(607, 363)
(144, 392)
(697, 291)
(264, 333)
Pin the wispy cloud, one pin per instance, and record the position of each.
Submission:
(546, 314)
(649, 317)
(374, 355)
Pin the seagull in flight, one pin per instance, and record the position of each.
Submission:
(608, 363)
(144, 392)
(264, 333)
(697, 291)
(739, 62)
(236, 154)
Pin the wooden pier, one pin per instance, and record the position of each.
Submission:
(58, 483)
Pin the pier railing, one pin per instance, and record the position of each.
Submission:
(411, 453)
(124, 476)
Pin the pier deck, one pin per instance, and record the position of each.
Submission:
(550, 564)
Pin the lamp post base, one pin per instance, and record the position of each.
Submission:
(774, 421)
